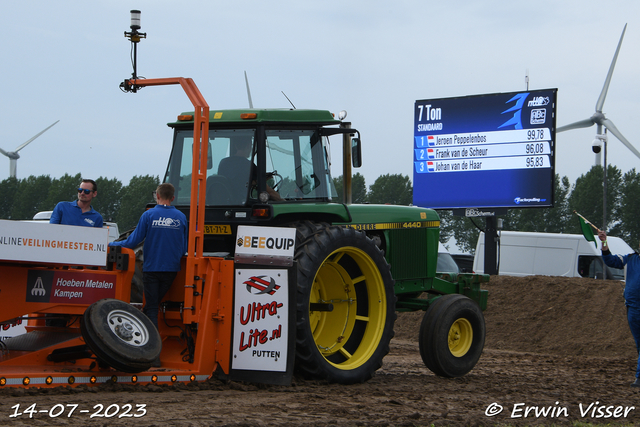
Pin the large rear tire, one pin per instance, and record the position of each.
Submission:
(120, 335)
(345, 306)
(305, 228)
(452, 335)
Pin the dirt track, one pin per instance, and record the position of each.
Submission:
(553, 344)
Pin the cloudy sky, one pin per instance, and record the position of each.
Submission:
(63, 60)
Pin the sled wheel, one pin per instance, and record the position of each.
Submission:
(345, 306)
(452, 335)
(120, 335)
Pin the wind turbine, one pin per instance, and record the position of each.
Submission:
(246, 80)
(14, 156)
(598, 118)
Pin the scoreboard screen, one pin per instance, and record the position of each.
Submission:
(485, 151)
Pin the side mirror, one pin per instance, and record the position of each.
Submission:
(356, 153)
(209, 158)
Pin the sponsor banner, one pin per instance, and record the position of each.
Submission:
(260, 328)
(69, 287)
(44, 242)
(269, 241)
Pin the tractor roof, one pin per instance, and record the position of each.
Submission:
(253, 115)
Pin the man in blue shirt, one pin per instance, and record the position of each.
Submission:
(631, 291)
(164, 231)
(79, 212)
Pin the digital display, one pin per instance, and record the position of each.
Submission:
(485, 151)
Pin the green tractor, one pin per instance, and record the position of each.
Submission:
(356, 265)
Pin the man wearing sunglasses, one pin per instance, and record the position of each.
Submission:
(79, 212)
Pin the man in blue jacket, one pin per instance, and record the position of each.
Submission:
(631, 291)
(164, 231)
(79, 212)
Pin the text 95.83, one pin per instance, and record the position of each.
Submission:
(535, 162)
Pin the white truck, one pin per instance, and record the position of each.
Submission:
(551, 254)
(446, 263)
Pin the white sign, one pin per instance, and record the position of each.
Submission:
(485, 164)
(44, 242)
(265, 245)
(260, 328)
(502, 136)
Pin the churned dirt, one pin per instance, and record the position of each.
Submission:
(558, 351)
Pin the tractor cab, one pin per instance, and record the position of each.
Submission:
(257, 160)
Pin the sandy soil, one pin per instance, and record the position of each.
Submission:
(557, 351)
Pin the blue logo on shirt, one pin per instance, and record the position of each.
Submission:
(166, 222)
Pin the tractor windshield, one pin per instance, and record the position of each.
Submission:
(296, 166)
(229, 167)
(298, 162)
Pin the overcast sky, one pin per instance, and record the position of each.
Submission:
(63, 60)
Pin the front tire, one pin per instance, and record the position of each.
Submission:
(120, 335)
(345, 306)
(452, 335)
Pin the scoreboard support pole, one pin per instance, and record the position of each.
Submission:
(491, 238)
(491, 246)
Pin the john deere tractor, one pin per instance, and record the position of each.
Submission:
(356, 265)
